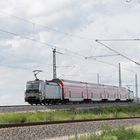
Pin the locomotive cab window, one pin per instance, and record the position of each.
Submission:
(32, 86)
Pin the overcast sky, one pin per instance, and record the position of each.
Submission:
(72, 26)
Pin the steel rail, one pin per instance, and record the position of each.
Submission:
(63, 122)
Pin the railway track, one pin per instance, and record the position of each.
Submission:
(26, 108)
(56, 129)
(63, 122)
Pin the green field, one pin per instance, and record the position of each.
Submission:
(71, 114)
(110, 134)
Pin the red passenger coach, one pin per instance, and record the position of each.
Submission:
(76, 91)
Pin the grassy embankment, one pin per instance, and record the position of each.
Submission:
(110, 134)
(72, 114)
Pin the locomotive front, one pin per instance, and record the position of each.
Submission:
(33, 93)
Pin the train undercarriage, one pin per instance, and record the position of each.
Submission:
(66, 101)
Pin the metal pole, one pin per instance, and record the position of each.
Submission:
(54, 64)
(136, 88)
(120, 80)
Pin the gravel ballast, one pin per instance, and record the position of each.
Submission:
(50, 131)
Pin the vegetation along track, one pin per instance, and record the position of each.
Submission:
(20, 108)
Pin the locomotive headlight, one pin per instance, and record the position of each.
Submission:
(29, 94)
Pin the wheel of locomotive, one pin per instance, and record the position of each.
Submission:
(30, 103)
(44, 103)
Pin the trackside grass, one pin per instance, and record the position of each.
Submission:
(109, 134)
(71, 114)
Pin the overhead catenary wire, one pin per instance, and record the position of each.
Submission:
(105, 55)
(65, 33)
(28, 38)
(54, 46)
(43, 43)
(113, 65)
(45, 26)
(120, 40)
(101, 61)
(75, 53)
(106, 46)
(49, 28)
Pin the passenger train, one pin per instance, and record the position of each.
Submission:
(67, 91)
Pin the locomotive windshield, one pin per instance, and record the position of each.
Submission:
(32, 85)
